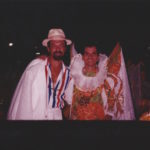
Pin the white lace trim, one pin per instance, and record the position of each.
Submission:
(83, 82)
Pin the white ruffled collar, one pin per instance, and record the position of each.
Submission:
(83, 82)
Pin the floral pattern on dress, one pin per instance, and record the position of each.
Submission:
(87, 105)
(113, 67)
(114, 60)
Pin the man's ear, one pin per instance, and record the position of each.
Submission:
(98, 59)
(83, 57)
(65, 49)
(48, 48)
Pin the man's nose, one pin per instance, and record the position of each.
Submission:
(58, 49)
(90, 56)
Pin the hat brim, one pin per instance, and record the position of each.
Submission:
(45, 41)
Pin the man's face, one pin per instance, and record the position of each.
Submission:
(90, 56)
(57, 49)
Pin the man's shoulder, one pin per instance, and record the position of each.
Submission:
(36, 63)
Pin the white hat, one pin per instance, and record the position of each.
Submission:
(56, 34)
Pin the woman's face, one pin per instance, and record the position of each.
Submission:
(90, 56)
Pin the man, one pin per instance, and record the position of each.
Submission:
(39, 94)
(96, 90)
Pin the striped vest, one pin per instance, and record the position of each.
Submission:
(55, 95)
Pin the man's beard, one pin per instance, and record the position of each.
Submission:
(58, 55)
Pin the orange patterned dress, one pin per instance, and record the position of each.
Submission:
(87, 105)
(108, 99)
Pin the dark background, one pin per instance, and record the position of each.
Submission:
(26, 23)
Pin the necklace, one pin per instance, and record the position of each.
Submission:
(90, 73)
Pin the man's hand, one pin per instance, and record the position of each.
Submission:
(108, 117)
(43, 57)
(66, 111)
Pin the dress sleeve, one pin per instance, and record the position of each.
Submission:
(116, 92)
(112, 97)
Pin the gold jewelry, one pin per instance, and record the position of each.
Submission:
(90, 73)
